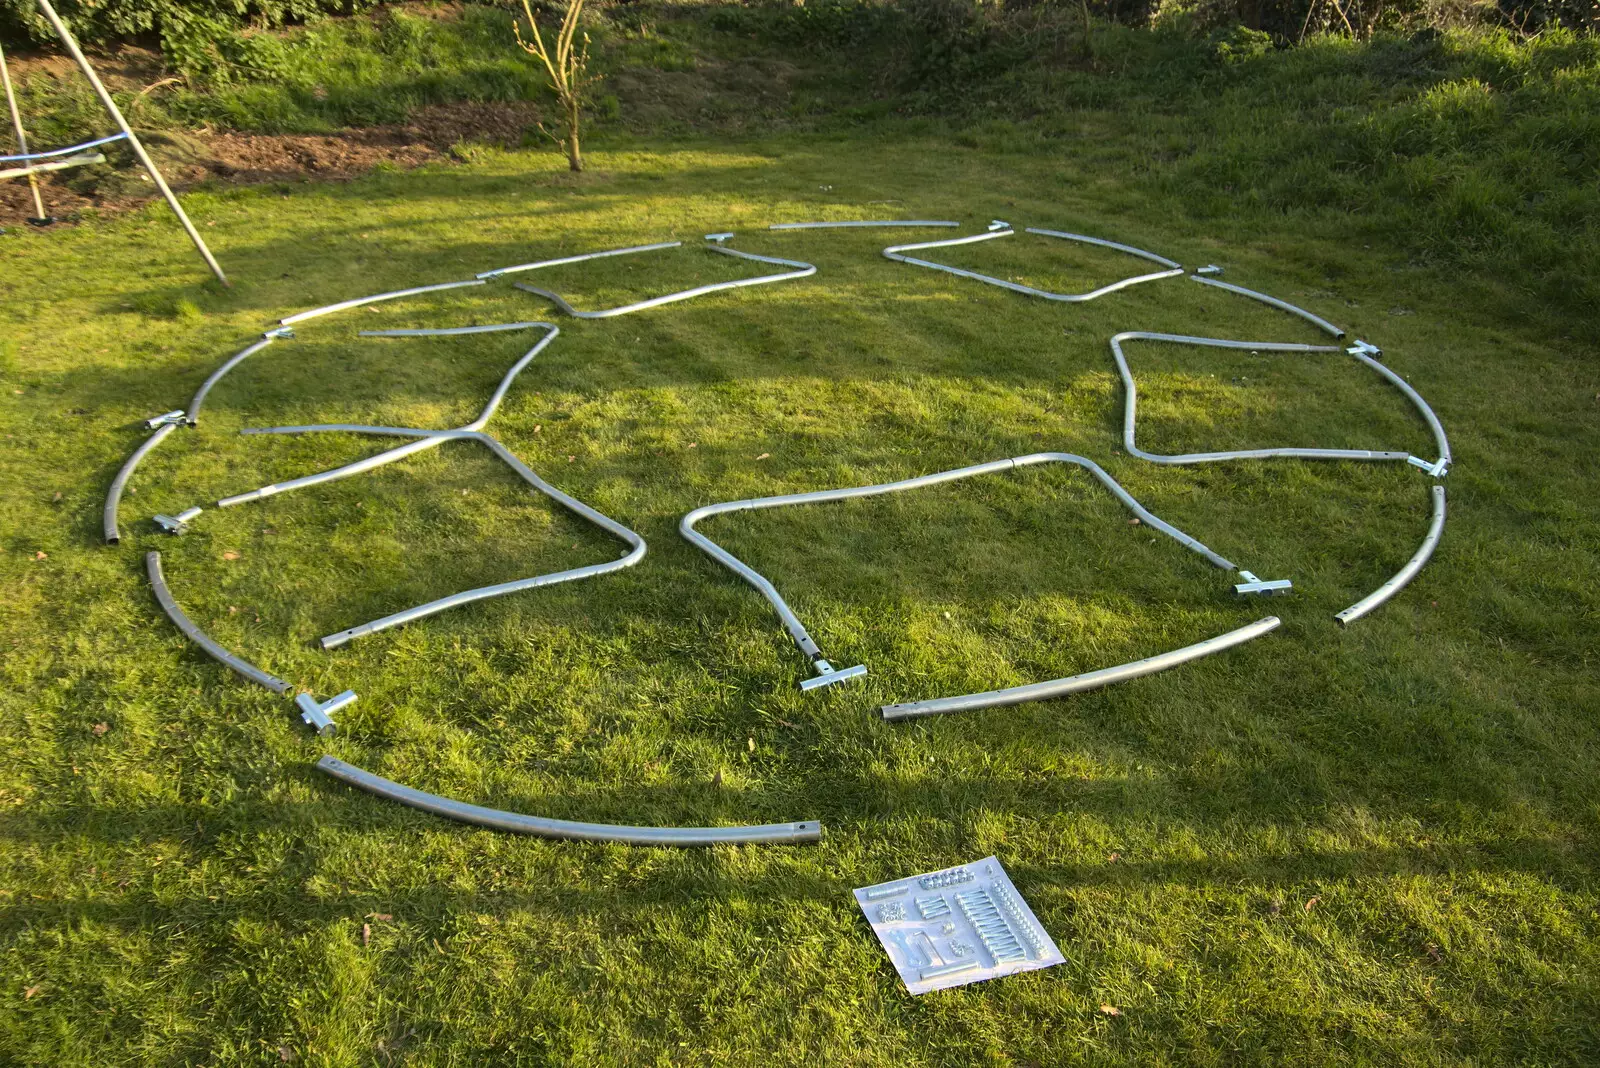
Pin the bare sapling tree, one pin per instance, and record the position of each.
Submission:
(568, 68)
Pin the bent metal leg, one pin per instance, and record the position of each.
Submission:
(826, 674)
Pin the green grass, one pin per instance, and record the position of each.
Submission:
(1472, 152)
(1366, 845)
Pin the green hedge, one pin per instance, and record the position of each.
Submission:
(179, 23)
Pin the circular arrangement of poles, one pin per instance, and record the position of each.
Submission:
(318, 713)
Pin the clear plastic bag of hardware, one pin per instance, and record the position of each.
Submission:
(957, 926)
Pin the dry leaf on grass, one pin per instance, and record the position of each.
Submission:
(1310, 902)
(231, 554)
(1109, 1010)
(100, 728)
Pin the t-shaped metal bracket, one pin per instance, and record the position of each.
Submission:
(178, 524)
(719, 238)
(1365, 348)
(315, 712)
(172, 418)
(1437, 468)
(1209, 268)
(1261, 587)
(998, 224)
(827, 675)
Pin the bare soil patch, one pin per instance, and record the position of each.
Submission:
(187, 160)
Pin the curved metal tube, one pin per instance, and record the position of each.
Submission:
(1439, 439)
(1406, 573)
(497, 272)
(388, 456)
(802, 270)
(349, 428)
(856, 225)
(1282, 305)
(791, 622)
(159, 583)
(427, 439)
(1091, 680)
(118, 484)
(799, 833)
(1103, 243)
(375, 298)
(69, 150)
(193, 415)
(1131, 406)
(506, 379)
(895, 252)
(635, 553)
(449, 331)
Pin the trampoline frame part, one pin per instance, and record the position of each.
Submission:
(316, 714)
(426, 439)
(1315, 320)
(1091, 680)
(267, 338)
(862, 225)
(192, 631)
(636, 552)
(1172, 268)
(1401, 578)
(1131, 401)
(113, 534)
(796, 833)
(800, 270)
(581, 257)
(359, 302)
(826, 674)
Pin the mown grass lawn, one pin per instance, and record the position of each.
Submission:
(1375, 844)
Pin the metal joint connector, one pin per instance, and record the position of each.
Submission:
(1365, 348)
(315, 713)
(172, 418)
(1436, 468)
(178, 524)
(1263, 587)
(719, 238)
(998, 224)
(278, 333)
(1209, 268)
(828, 675)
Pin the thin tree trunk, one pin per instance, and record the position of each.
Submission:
(574, 156)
